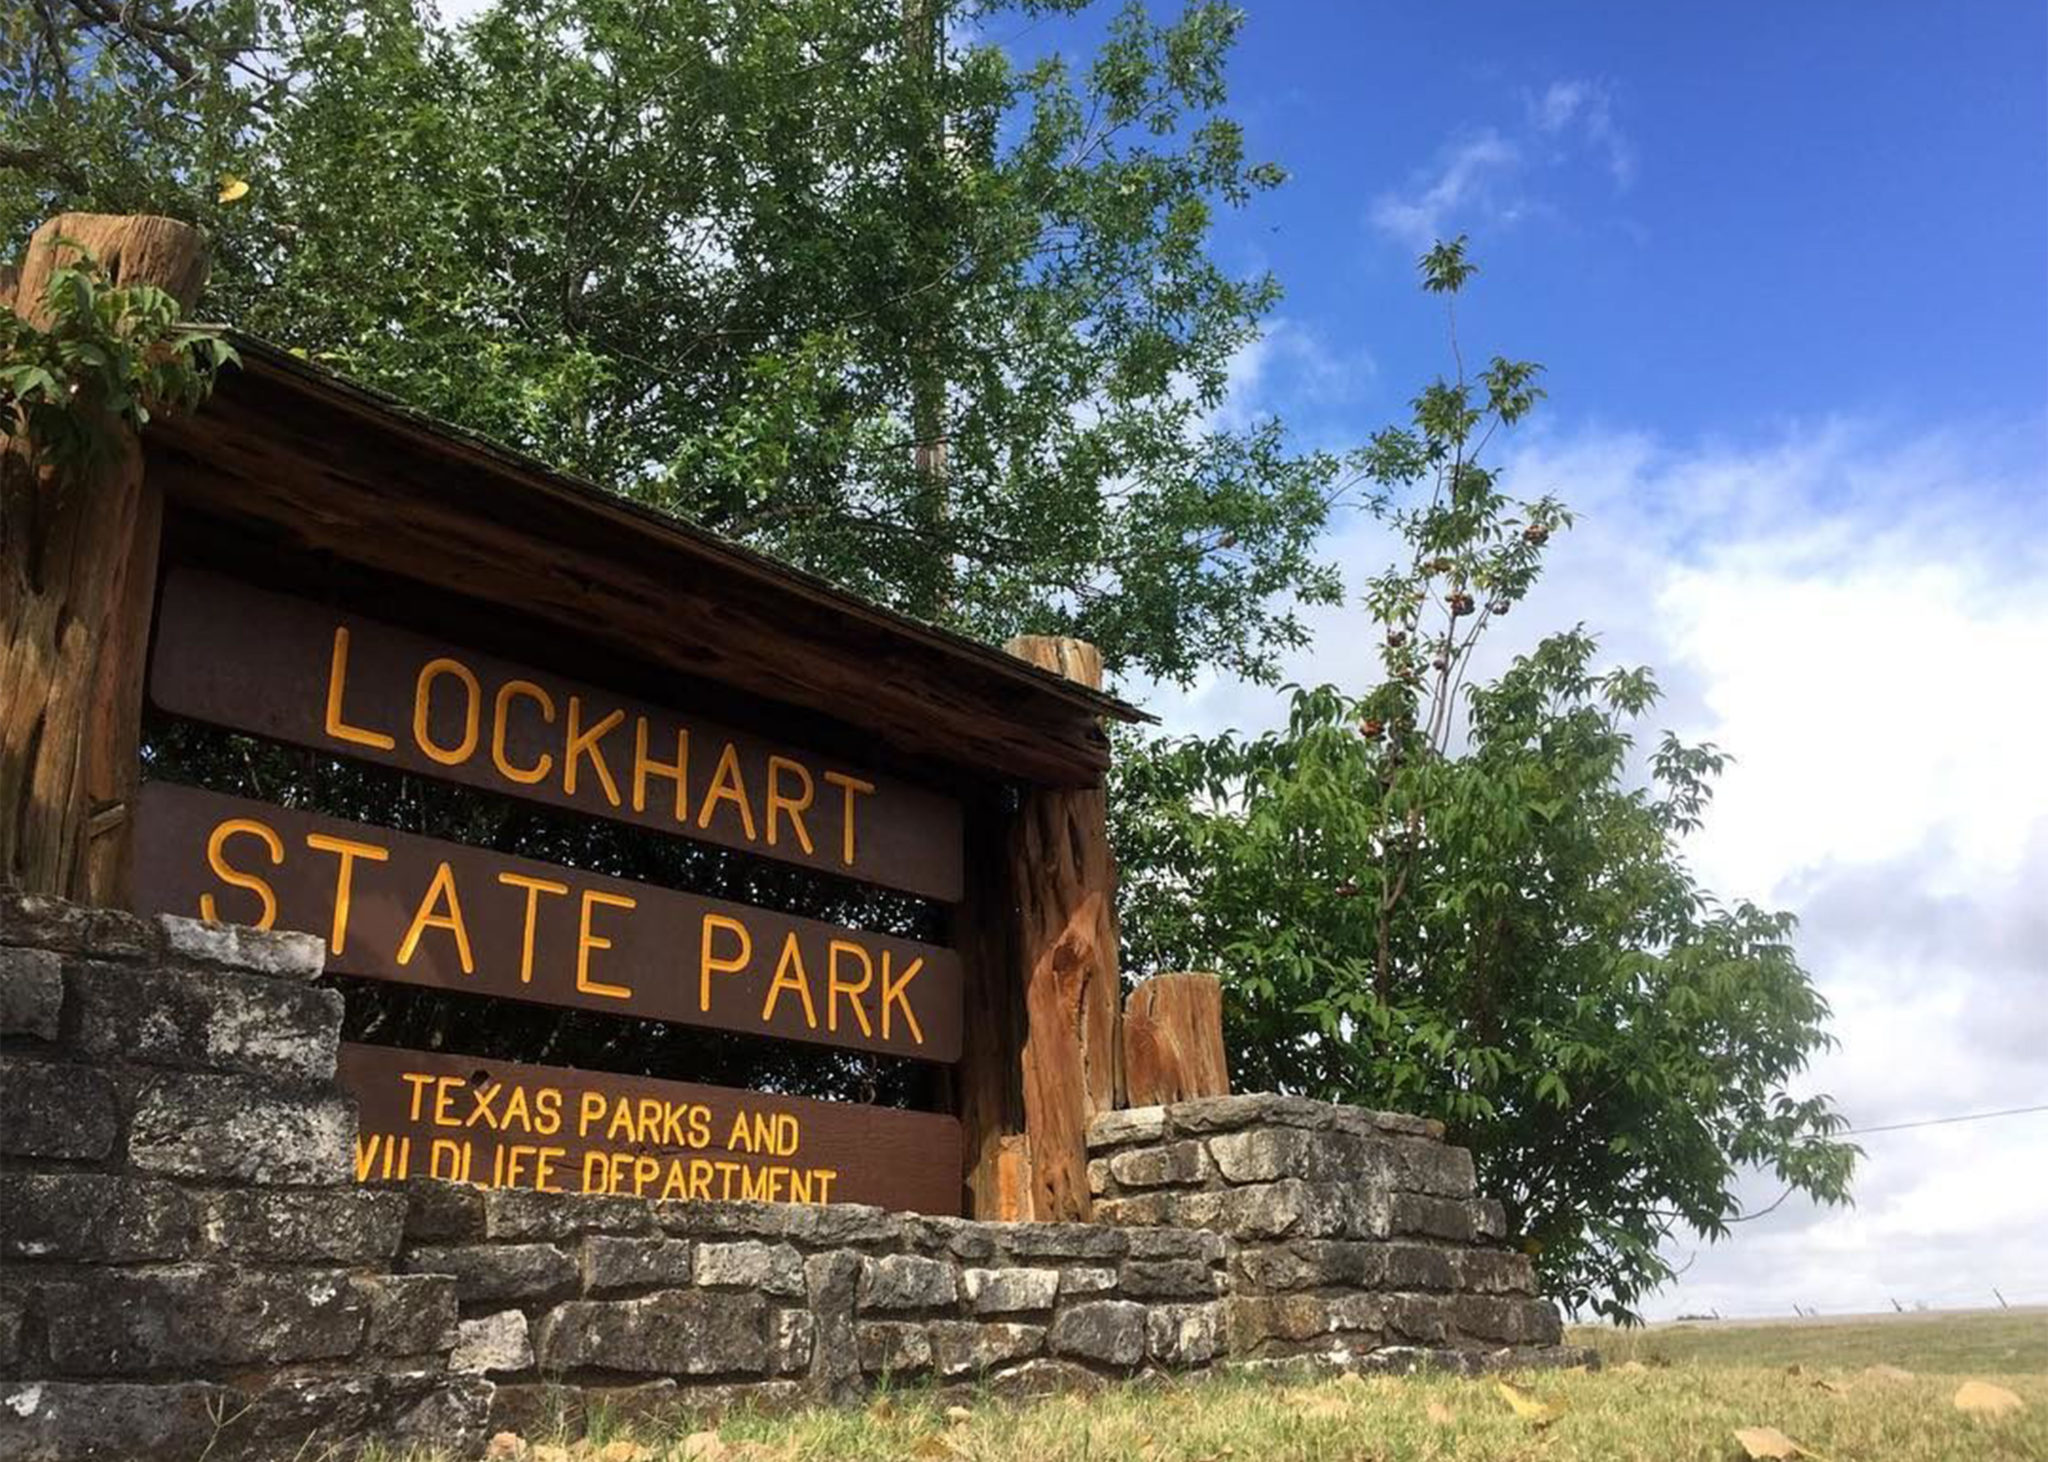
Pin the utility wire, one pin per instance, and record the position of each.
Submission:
(1944, 1121)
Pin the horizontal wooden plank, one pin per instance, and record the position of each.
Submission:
(421, 911)
(342, 682)
(325, 467)
(505, 1125)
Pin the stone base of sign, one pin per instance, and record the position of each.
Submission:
(187, 1266)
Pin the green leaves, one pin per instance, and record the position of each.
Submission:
(940, 327)
(1447, 893)
(110, 359)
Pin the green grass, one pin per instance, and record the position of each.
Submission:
(1670, 1395)
(2005, 1340)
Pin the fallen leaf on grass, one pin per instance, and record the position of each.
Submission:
(935, 1448)
(232, 189)
(1766, 1442)
(1439, 1413)
(1633, 1368)
(507, 1447)
(1536, 1413)
(702, 1447)
(1981, 1398)
(959, 1415)
(1887, 1373)
(881, 1408)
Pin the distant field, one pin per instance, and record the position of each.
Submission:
(1671, 1394)
(1942, 1344)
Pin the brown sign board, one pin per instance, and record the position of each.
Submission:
(502, 1125)
(339, 682)
(394, 906)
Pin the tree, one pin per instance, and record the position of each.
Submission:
(829, 277)
(1451, 896)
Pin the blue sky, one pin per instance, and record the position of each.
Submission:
(1788, 269)
(1703, 219)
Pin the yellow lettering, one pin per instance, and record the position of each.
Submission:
(589, 1107)
(583, 742)
(898, 993)
(501, 713)
(849, 787)
(345, 853)
(432, 916)
(422, 704)
(676, 771)
(835, 987)
(586, 941)
(337, 680)
(792, 959)
(709, 964)
(779, 803)
(727, 785)
(234, 878)
(534, 887)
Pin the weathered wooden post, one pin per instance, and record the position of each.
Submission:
(1064, 881)
(1173, 1040)
(77, 572)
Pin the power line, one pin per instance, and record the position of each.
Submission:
(1944, 1121)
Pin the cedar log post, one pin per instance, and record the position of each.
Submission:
(1173, 1040)
(1063, 880)
(78, 563)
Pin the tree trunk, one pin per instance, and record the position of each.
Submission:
(77, 577)
(1173, 1040)
(1065, 884)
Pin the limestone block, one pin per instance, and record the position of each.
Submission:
(303, 1226)
(528, 1273)
(893, 1347)
(1506, 1320)
(1087, 1279)
(1003, 1291)
(1310, 1264)
(612, 1262)
(1419, 1319)
(42, 921)
(58, 1421)
(241, 1129)
(906, 1282)
(1495, 1271)
(1420, 1267)
(1253, 1109)
(1175, 1163)
(492, 1344)
(523, 1214)
(1182, 1335)
(277, 953)
(56, 1110)
(1171, 1243)
(439, 1212)
(961, 1238)
(843, 1225)
(792, 1337)
(776, 1269)
(1122, 1129)
(967, 1347)
(128, 1321)
(1170, 1279)
(94, 1217)
(1088, 1242)
(676, 1332)
(410, 1314)
(216, 1021)
(31, 993)
(700, 1219)
(1250, 1321)
(831, 1283)
(1111, 1332)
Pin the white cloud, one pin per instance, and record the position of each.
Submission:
(1863, 623)
(1488, 175)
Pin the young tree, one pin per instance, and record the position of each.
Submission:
(834, 278)
(1450, 895)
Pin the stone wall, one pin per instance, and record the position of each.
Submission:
(187, 1267)
(1353, 1237)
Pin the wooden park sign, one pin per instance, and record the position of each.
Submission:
(342, 683)
(138, 581)
(393, 906)
(511, 1126)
